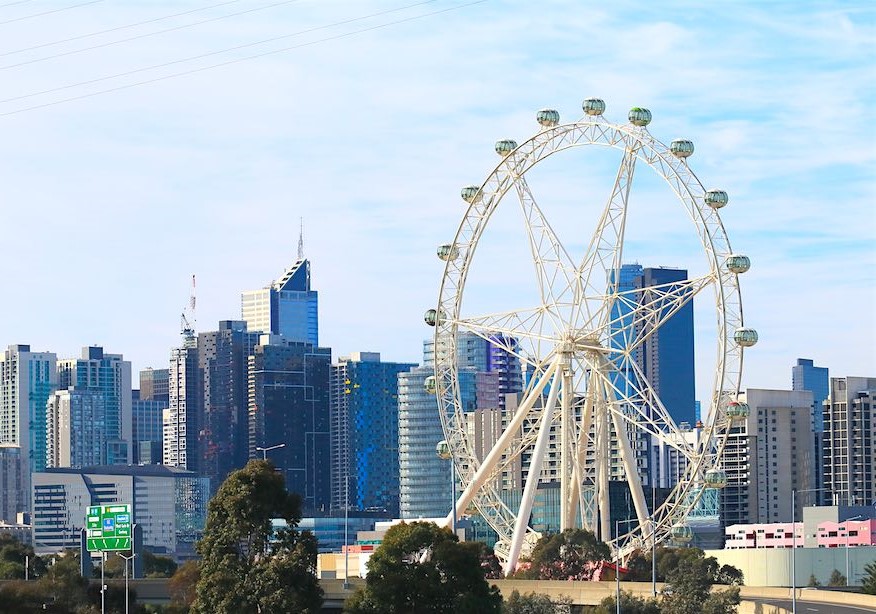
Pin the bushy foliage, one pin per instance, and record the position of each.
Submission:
(691, 583)
(668, 559)
(246, 566)
(421, 568)
(868, 584)
(630, 604)
(13, 554)
(534, 603)
(573, 554)
(837, 578)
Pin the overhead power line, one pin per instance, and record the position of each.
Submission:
(116, 29)
(244, 59)
(2, 6)
(213, 53)
(148, 34)
(66, 8)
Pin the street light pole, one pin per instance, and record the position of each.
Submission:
(127, 559)
(794, 492)
(617, 524)
(102, 583)
(346, 531)
(847, 520)
(653, 542)
(265, 451)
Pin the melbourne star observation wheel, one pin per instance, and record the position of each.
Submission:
(586, 404)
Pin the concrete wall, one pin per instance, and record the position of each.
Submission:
(771, 567)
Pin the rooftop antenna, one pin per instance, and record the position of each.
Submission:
(187, 320)
(301, 241)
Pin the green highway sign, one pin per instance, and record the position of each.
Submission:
(109, 527)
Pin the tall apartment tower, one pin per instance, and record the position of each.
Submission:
(76, 433)
(181, 423)
(147, 427)
(768, 456)
(26, 381)
(424, 479)
(364, 433)
(223, 442)
(806, 376)
(850, 441)
(287, 307)
(110, 376)
(289, 406)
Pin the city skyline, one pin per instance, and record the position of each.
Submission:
(369, 137)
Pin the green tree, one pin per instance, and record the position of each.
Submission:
(570, 555)
(155, 566)
(691, 583)
(246, 566)
(868, 584)
(837, 578)
(533, 603)
(13, 554)
(421, 568)
(181, 587)
(630, 604)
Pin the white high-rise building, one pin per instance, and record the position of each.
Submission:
(850, 441)
(180, 419)
(26, 381)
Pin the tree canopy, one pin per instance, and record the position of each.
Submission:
(246, 565)
(691, 584)
(868, 584)
(420, 568)
(668, 559)
(570, 555)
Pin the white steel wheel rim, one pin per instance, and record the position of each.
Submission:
(638, 146)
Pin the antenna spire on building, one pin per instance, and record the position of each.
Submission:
(301, 241)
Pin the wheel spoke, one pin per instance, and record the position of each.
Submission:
(517, 332)
(637, 314)
(605, 252)
(554, 269)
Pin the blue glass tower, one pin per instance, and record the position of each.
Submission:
(364, 434)
(806, 376)
(287, 307)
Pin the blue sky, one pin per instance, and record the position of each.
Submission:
(112, 201)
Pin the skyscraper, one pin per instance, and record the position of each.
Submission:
(154, 385)
(850, 441)
(181, 420)
(806, 376)
(76, 433)
(223, 441)
(289, 405)
(364, 432)
(766, 457)
(110, 376)
(26, 381)
(147, 427)
(287, 307)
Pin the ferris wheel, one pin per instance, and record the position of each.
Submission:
(586, 402)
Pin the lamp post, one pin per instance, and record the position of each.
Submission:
(444, 453)
(847, 520)
(102, 583)
(346, 531)
(127, 559)
(653, 542)
(617, 524)
(265, 451)
(794, 492)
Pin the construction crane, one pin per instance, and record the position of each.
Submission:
(188, 321)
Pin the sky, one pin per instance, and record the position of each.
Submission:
(134, 156)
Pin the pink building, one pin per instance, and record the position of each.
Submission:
(848, 533)
(774, 535)
(778, 535)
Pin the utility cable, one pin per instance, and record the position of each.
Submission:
(66, 8)
(14, 3)
(116, 29)
(212, 53)
(244, 59)
(148, 34)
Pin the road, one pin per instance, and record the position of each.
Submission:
(813, 607)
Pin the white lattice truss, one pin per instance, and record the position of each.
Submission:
(578, 344)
